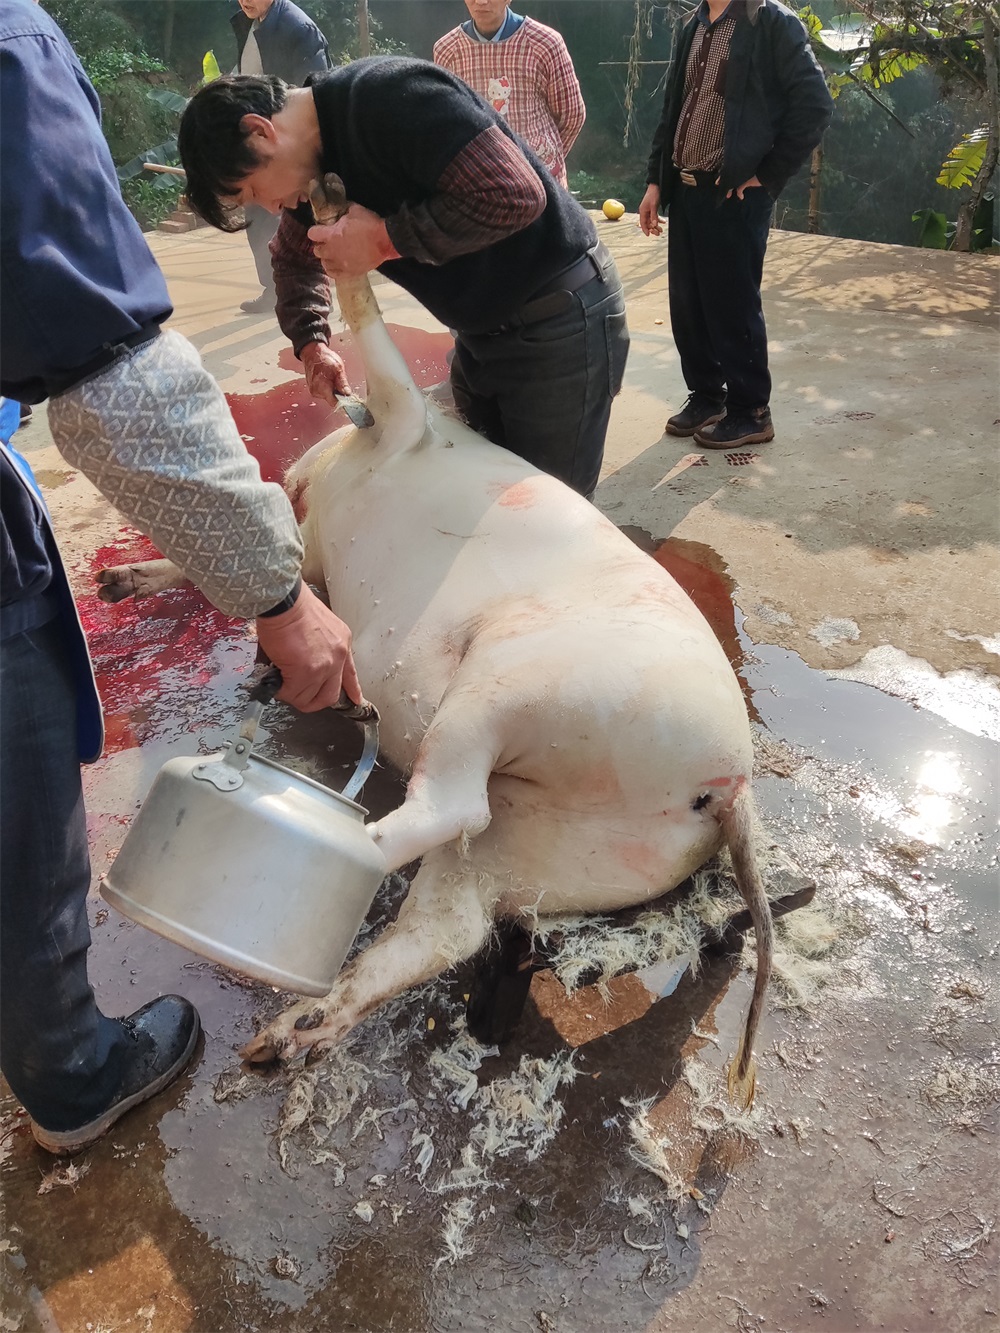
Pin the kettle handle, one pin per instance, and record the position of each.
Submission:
(264, 692)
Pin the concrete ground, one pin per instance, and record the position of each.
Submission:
(850, 568)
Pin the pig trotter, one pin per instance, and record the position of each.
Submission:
(143, 579)
(260, 1051)
(306, 1022)
(317, 1053)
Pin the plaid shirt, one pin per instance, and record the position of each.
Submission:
(701, 127)
(529, 80)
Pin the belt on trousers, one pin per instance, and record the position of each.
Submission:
(551, 299)
(698, 177)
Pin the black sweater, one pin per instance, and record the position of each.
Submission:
(390, 126)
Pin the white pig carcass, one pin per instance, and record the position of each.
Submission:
(574, 736)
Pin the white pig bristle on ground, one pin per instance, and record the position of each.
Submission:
(652, 1149)
(588, 943)
(349, 1093)
(802, 965)
(713, 1108)
(454, 1067)
(424, 1147)
(457, 1219)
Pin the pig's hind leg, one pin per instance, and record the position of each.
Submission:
(445, 918)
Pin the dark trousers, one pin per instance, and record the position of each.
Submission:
(261, 226)
(715, 258)
(543, 388)
(61, 1056)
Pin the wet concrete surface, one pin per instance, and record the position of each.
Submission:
(866, 1199)
(841, 1217)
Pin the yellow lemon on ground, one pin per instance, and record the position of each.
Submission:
(613, 209)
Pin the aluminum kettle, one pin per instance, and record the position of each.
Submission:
(251, 865)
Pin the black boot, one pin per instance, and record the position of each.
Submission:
(701, 409)
(744, 426)
(164, 1033)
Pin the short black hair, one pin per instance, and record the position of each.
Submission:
(215, 150)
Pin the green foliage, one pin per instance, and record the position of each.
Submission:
(588, 188)
(983, 235)
(94, 30)
(136, 108)
(936, 232)
(962, 164)
(150, 201)
(106, 69)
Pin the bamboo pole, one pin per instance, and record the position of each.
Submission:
(815, 170)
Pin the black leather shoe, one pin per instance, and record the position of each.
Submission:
(260, 305)
(752, 426)
(699, 410)
(164, 1033)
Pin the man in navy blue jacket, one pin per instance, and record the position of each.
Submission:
(273, 37)
(81, 307)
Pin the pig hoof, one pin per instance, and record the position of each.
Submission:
(306, 1022)
(115, 584)
(261, 1051)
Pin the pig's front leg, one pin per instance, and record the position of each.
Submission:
(143, 579)
(445, 918)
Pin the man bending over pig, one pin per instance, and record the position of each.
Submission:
(447, 201)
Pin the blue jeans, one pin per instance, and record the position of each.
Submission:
(62, 1057)
(715, 259)
(543, 389)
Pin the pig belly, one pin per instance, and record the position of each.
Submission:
(546, 859)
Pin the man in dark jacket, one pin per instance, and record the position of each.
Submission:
(745, 104)
(273, 37)
(132, 407)
(450, 204)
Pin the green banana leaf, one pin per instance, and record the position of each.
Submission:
(168, 99)
(935, 229)
(164, 153)
(962, 164)
(210, 67)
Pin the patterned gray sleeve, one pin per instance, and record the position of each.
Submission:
(155, 435)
